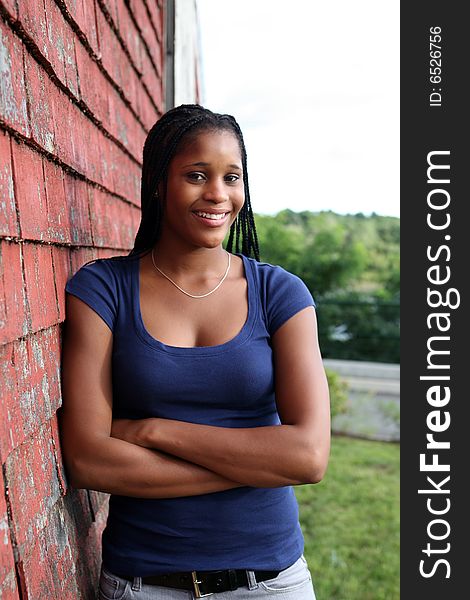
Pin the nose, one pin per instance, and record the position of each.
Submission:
(216, 191)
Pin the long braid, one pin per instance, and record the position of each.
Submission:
(161, 145)
(245, 220)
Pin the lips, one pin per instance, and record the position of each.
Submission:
(211, 218)
(210, 215)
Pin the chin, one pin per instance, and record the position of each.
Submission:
(214, 243)
(210, 241)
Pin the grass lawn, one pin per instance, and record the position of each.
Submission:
(351, 522)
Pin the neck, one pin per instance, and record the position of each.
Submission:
(173, 258)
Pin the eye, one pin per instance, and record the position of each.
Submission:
(232, 178)
(196, 176)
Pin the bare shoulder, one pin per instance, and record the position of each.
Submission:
(298, 333)
(301, 385)
(86, 364)
(237, 269)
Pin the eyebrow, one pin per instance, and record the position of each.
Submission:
(206, 164)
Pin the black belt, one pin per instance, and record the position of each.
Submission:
(205, 583)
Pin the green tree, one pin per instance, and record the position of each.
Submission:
(279, 244)
(332, 260)
(351, 265)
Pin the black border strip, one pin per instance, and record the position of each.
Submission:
(436, 123)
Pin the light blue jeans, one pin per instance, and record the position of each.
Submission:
(294, 583)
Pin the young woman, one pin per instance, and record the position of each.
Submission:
(194, 391)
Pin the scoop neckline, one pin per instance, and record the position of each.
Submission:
(240, 338)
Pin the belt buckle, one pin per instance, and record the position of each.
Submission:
(197, 589)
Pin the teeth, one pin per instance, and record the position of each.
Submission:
(215, 217)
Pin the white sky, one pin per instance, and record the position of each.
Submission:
(314, 86)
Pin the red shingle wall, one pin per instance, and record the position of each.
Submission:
(80, 85)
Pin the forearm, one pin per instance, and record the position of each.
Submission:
(118, 467)
(271, 456)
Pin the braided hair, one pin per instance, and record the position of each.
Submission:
(178, 125)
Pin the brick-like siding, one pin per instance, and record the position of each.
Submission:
(80, 86)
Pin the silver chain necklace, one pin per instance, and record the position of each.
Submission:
(187, 293)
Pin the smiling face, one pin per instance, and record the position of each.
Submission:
(205, 190)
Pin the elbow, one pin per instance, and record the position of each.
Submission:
(76, 482)
(316, 474)
(84, 461)
(77, 472)
(74, 475)
(315, 465)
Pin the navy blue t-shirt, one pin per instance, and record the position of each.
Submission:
(228, 385)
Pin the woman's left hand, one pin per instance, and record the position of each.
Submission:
(131, 430)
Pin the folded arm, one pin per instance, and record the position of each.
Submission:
(93, 458)
(294, 452)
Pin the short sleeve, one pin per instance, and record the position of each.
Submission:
(95, 284)
(286, 295)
